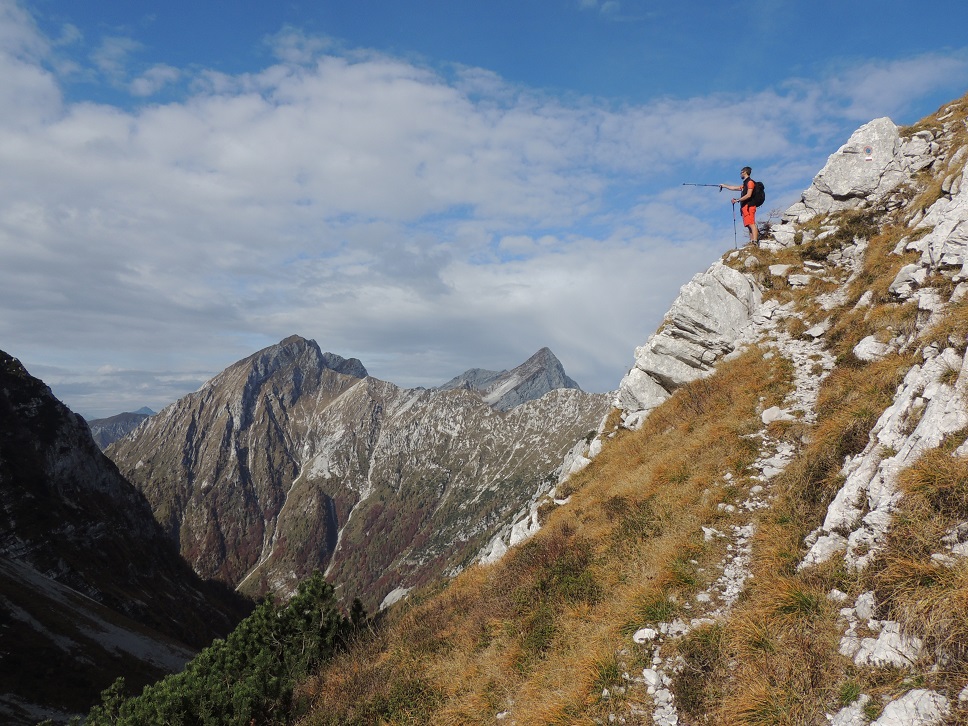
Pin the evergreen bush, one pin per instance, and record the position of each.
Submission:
(247, 678)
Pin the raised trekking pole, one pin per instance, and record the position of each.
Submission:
(690, 184)
(735, 241)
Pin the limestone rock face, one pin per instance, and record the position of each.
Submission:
(284, 464)
(873, 162)
(701, 327)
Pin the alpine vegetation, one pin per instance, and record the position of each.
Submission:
(772, 523)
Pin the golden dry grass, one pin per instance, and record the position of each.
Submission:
(781, 642)
(545, 630)
(539, 632)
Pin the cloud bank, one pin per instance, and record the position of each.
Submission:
(424, 219)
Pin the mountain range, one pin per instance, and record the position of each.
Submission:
(294, 460)
(766, 524)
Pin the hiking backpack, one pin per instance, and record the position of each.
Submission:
(759, 194)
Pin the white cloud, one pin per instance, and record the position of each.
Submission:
(112, 56)
(885, 87)
(420, 221)
(292, 45)
(154, 79)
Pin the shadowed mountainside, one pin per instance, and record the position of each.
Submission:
(91, 585)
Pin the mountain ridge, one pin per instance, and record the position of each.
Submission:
(503, 390)
(770, 525)
(283, 442)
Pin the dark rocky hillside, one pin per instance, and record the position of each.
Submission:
(76, 536)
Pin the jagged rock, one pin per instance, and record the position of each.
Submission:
(700, 328)
(864, 504)
(907, 280)
(873, 162)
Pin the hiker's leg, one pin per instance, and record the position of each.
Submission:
(749, 219)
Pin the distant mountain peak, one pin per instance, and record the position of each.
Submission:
(503, 390)
(346, 366)
(295, 356)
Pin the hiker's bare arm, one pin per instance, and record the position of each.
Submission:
(730, 187)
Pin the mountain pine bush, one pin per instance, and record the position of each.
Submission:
(248, 677)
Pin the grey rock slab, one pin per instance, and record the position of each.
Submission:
(701, 327)
(920, 707)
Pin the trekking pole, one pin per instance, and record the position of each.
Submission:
(735, 242)
(690, 184)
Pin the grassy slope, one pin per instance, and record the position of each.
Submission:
(543, 632)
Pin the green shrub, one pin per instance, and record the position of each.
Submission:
(248, 677)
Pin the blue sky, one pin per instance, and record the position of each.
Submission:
(427, 186)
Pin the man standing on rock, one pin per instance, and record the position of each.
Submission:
(746, 202)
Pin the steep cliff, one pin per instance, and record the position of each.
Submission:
(293, 460)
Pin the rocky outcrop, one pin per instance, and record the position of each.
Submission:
(283, 464)
(877, 176)
(875, 161)
(703, 324)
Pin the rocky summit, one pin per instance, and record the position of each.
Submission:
(503, 390)
(90, 585)
(294, 460)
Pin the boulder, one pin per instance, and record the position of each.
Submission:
(919, 707)
(870, 349)
(700, 328)
(873, 162)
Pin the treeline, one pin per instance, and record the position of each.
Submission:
(247, 678)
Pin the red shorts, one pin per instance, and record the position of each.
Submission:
(749, 215)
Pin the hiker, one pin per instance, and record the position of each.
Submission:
(746, 205)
